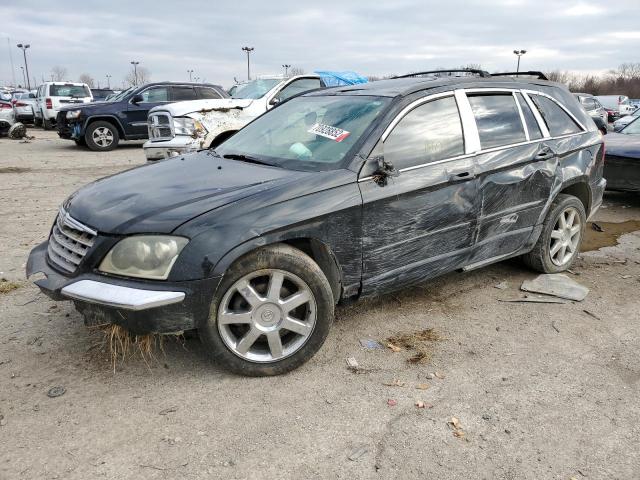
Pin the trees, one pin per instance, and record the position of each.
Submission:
(625, 80)
(86, 78)
(143, 76)
(58, 73)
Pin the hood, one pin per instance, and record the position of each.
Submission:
(157, 198)
(179, 109)
(622, 145)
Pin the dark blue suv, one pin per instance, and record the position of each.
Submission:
(100, 126)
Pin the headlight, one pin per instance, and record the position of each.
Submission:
(184, 126)
(73, 113)
(144, 256)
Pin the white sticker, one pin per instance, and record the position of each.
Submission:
(327, 131)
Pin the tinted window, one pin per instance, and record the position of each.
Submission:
(208, 92)
(428, 133)
(557, 120)
(183, 93)
(532, 125)
(155, 94)
(69, 91)
(298, 86)
(498, 120)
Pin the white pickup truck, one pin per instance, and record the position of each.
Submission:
(183, 127)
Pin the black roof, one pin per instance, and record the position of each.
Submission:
(396, 87)
(194, 84)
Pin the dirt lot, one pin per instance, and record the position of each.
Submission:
(541, 391)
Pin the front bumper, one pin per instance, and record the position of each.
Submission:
(65, 128)
(161, 149)
(137, 305)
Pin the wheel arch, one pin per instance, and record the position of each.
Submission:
(318, 250)
(105, 118)
(579, 188)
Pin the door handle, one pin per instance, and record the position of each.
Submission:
(461, 176)
(545, 153)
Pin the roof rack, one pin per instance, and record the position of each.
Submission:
(531, 73)
(480, 73)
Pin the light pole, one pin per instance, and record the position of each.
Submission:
(26, 66)
(248, 50)
(286, 69)
(190, 72)
(24, 80)
(196, 79)
(108, 80)
(519, 53)
(135, 72)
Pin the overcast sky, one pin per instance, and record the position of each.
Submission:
(370, 37)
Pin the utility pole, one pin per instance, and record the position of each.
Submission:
(108, 80)
(13, 72)
(24, 80)
(519, 53)
(248, 50)
(286, 69)
(26, 66)
(135, 72)
(190, 72)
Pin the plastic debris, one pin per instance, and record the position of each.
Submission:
(370, 344)
(391, 402)
(357, 452)
(166, 411)
(56, 392)
(501, 286)
(394, 383)
(557, 285)
(422, 386)
(17, 131)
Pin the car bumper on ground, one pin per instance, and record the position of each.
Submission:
(158, 150)
(137, 305)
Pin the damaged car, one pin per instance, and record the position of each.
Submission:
(184, 127)
(332, 196)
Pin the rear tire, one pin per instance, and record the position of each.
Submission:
(101, 136)
(47, 124)
(278, 322)
(562, 232)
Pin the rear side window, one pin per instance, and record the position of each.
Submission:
(530, 120)
(498, 120)
(155, 94)
(428, 133)
(589, 104)
(204, 92)
(557, 120)
(69, 91)
(183, 93)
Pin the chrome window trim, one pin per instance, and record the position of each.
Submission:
(573, 117)
(536, 114)
(469, 125)
(522, 119)
(408, 108)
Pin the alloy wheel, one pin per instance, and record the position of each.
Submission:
(267, 315)
(565, 237)
(102, 136)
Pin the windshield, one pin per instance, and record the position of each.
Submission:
(633, 128)
(119, 96)
(255, 89)
(307, 133)
(78, 91)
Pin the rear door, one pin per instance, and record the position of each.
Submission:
(136, 115)
(419, 224)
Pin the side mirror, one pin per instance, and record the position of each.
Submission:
(383, 171)
(274, 101)
(137, 98)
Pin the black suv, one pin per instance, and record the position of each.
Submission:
(100, 126)
(334, 194)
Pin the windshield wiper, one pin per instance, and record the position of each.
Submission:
(246, 158)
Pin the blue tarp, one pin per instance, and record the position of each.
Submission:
(338, 79)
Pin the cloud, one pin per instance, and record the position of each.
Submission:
(169, 38)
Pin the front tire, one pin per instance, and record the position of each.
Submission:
(271, 313)
(562, 232)
(101, 136)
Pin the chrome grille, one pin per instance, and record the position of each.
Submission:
(69, 242)
(160, 126)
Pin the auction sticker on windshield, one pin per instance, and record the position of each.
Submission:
(327, 131)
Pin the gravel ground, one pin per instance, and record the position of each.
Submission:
(539, 391)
